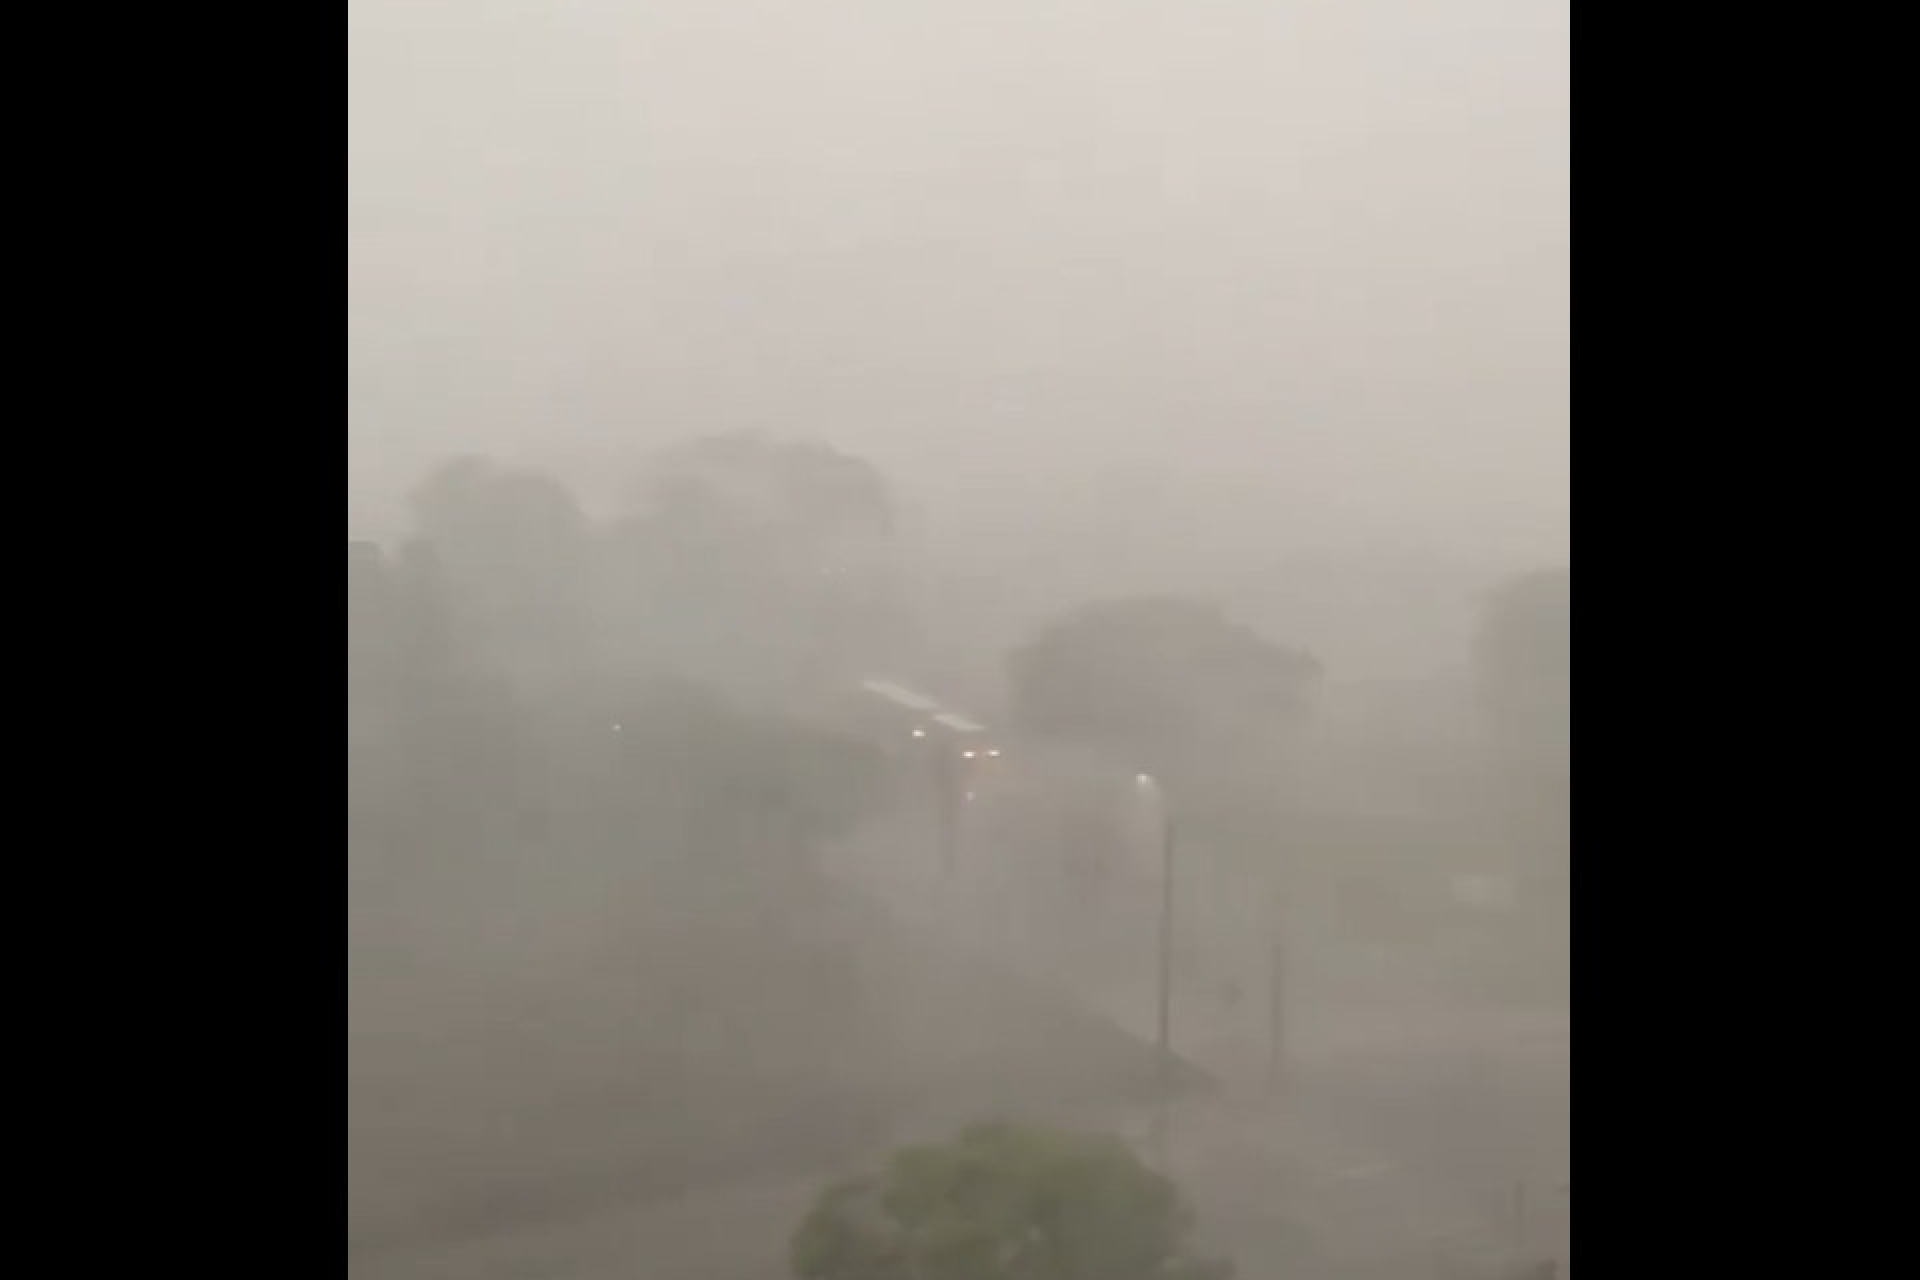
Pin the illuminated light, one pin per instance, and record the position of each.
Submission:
(920, 734)
(971, 755)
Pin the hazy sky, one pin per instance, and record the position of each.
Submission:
(1307, 258)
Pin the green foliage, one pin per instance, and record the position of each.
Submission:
(1005, 1203)
(1156, 680)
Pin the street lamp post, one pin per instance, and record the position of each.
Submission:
(1151, 787)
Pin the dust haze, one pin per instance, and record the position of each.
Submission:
(916, 563)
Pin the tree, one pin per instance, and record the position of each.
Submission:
(437, 757)
(761, 563)
(1157, 681)
(1005, 1203)
(397, 644)
(479, 513)
(512, 555)
(1525, 661)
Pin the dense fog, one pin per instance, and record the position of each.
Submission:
(913, 565)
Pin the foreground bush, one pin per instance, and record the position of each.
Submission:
(1006, 1203)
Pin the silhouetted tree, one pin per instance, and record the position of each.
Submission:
(1006, 1204)
(761, 563)
(512, 553)
(1156, 681)
(398, 638)
(485, 714)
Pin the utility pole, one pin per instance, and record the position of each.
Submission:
(1169, 946)
(1168, 1083)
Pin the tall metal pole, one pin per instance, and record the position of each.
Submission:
(1169, 967)
(1169, 943)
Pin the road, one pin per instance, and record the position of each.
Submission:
(1383, 1156)
(737, 1234)
(1466, 1132)
(1405, 1132)
(1402, 1138)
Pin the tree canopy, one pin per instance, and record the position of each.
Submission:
(513, 550)
(1157, 678)
(1006, 1203)
(498, 694)
(754, 562)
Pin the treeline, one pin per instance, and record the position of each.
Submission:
(522, 673)
(521, 677)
